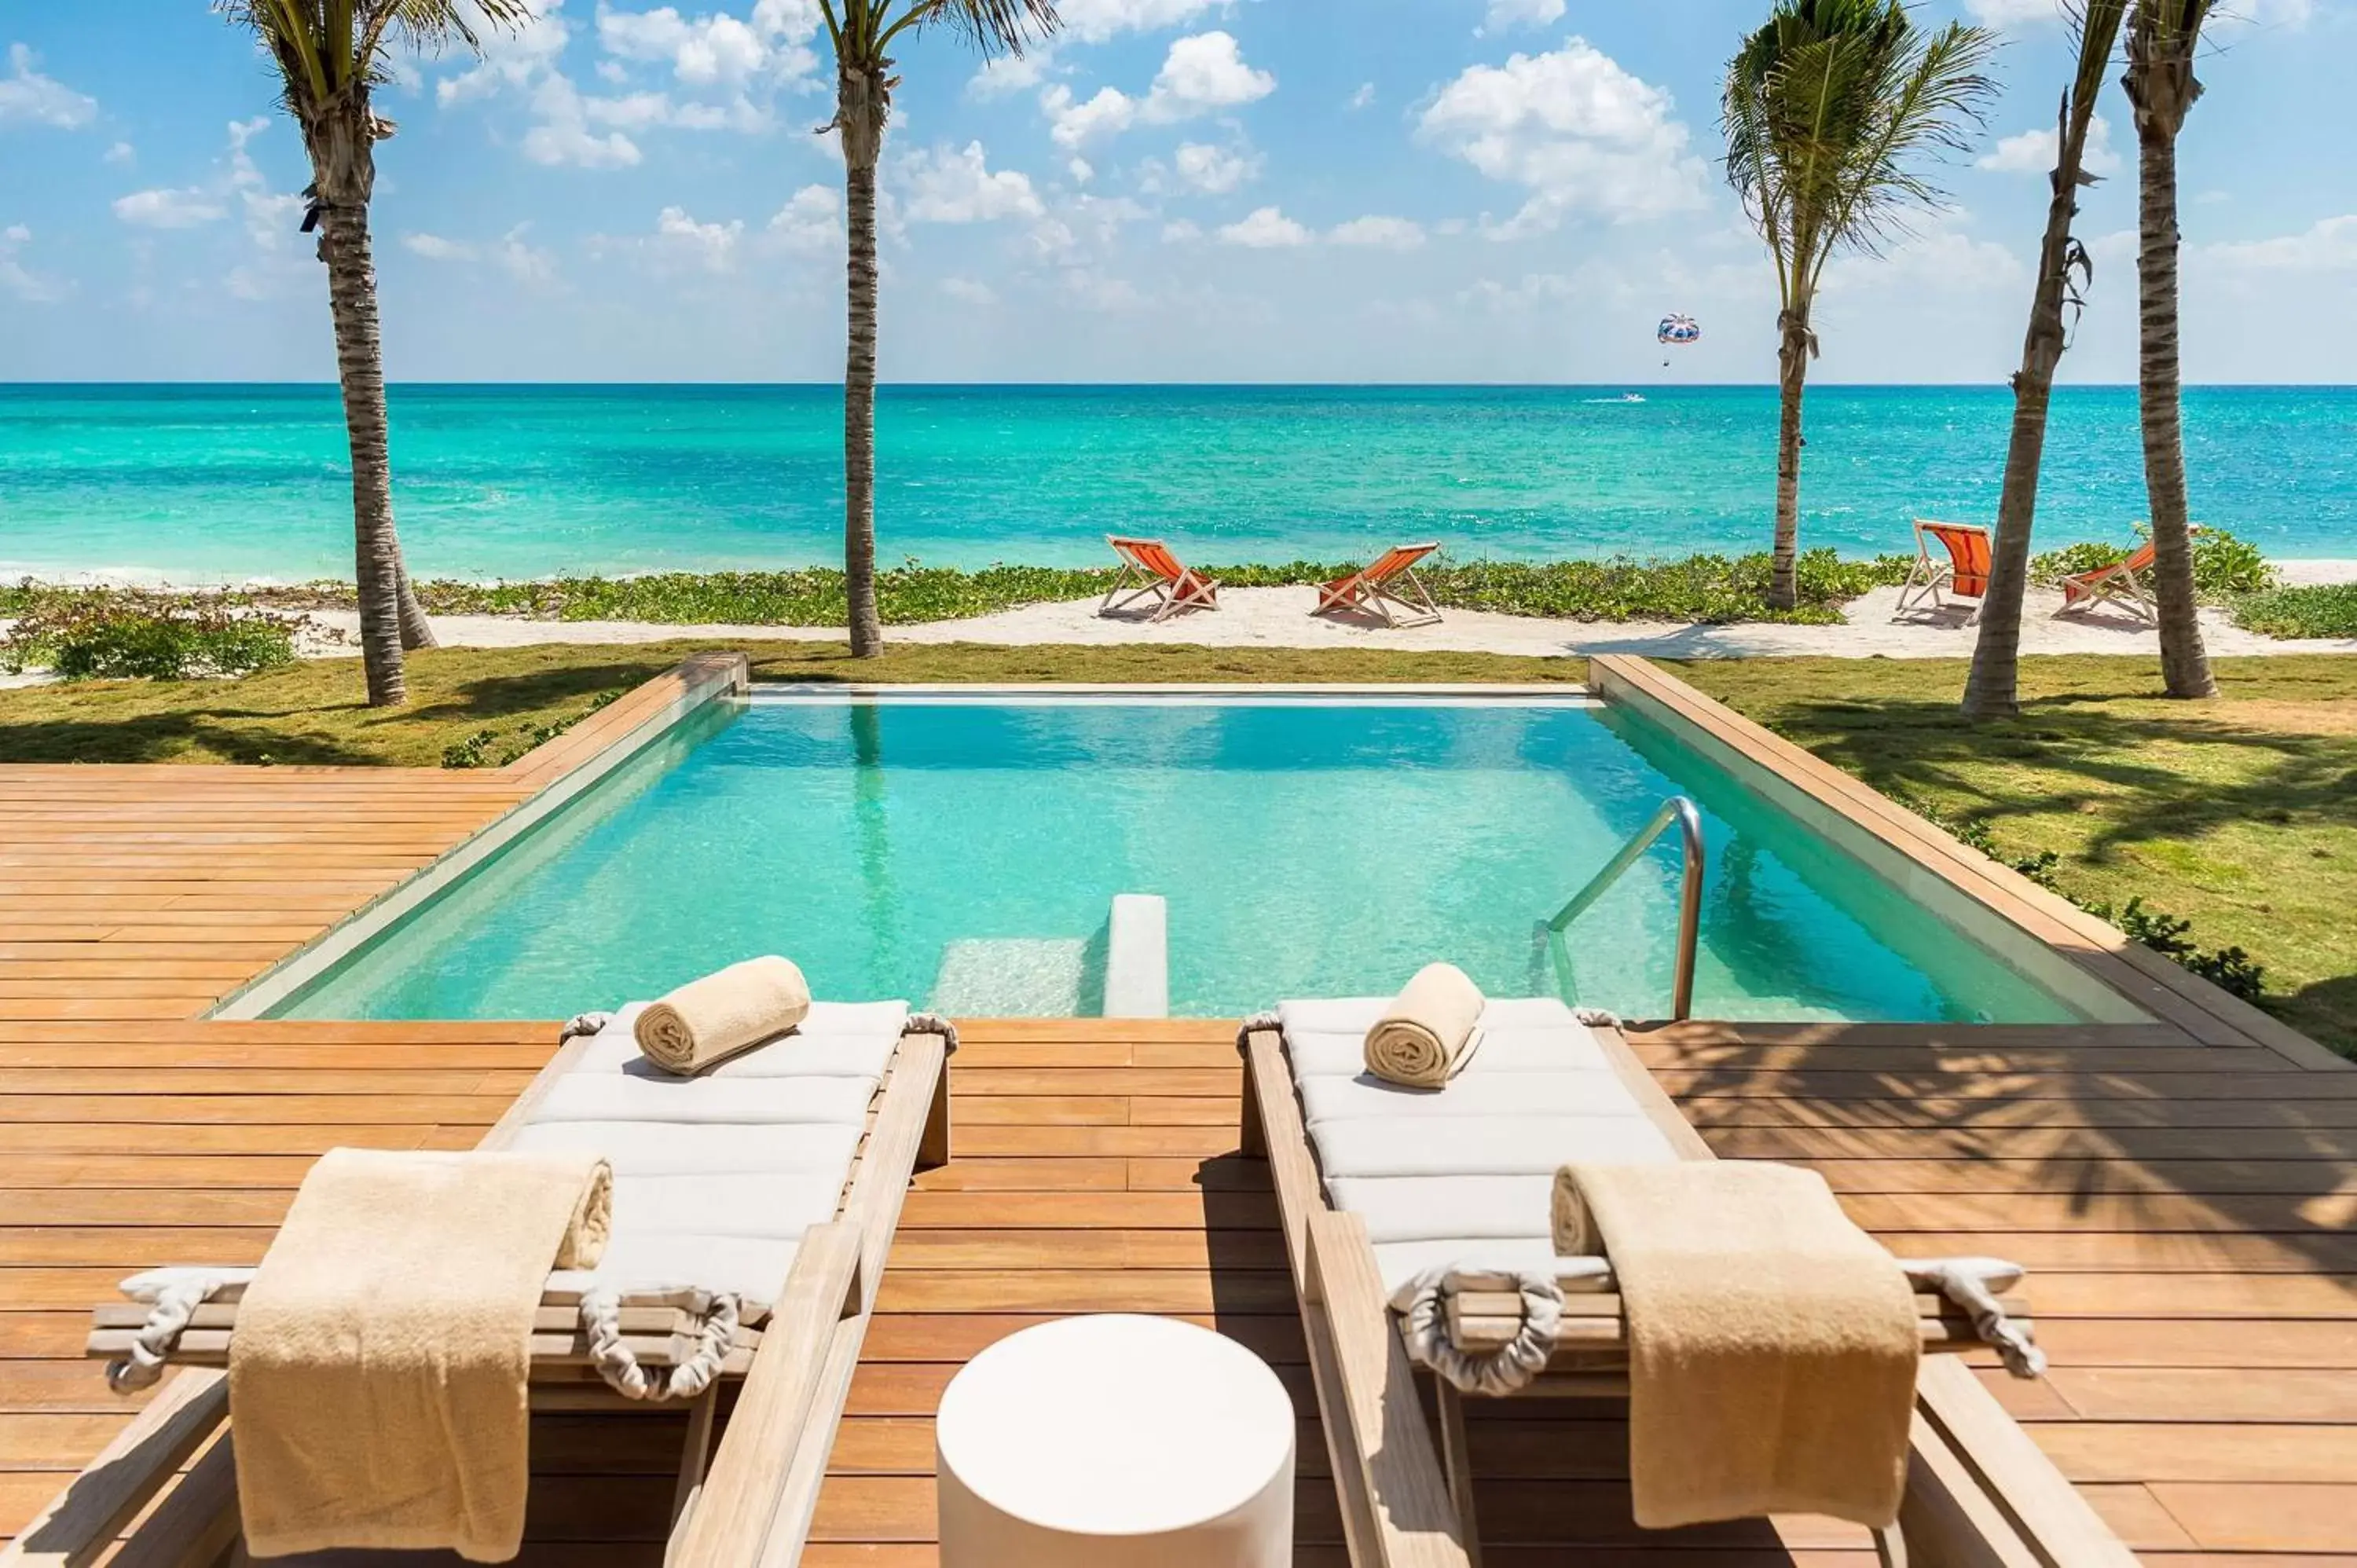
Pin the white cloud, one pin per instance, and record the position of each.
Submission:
(26, 97)
(1182, 232)
(719, 49)
(1003, 76)
(272, 218)
(564, 137)
(2033, 152)
(970, 291)
(1080, 170)
(711, 246)
(1364, 96)
(1582, 135)
(2326, 247)
(2014, 13)
(945, 186)
(1380, 232)
(810, 221)
(435, 248)
(1095, 21)
(515, 58)
(1266, 229)
(1215, 171)
(1503, 15)
(2230, 15)
(510, 253)
(1201, 74)
(121, 153)
(18, 279)
(1939, 258)
(166, 208)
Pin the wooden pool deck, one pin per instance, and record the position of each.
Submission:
(2185, 1193)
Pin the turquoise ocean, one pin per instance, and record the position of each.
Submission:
(217, 482)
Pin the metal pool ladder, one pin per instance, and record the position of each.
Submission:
(1677, 809)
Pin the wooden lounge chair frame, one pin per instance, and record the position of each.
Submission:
(2123, 583)
(1149, 571)
(1951, 573)
(749, 1501)
(1978, 1484)
(1371, 588)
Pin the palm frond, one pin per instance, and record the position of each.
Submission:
(1832, 109)
(323, 47)
(990, 26)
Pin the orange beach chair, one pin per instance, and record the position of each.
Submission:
(2123, 583)
(1378, 587)
(1148, 570)
(1964, 574)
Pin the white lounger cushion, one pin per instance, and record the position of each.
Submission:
(1461, 1177)
(717, 1176)
(769, 1101)
(838, 1039)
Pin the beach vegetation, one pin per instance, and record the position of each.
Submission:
(2065, 271)
(103, 635)
(2226, 568)
(863, 33)
(2163, 37)
(2319, 609)
(330, 59)
(1831, 109)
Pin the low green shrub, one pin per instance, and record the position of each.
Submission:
(2230, 968)
(489, 748)
(2225, 567)
(2318, 610)
(104, 634)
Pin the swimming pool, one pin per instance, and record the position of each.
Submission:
(945, 847)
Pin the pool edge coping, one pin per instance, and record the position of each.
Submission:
(556, 772)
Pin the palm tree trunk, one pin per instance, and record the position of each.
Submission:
(861, 119)
(416, 631)
(1992, 692)
(2184, 664)
(360, 365)
(1792, 382)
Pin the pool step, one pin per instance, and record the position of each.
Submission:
(1012, 977)
(1137, 957)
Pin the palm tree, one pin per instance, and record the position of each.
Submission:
(1994, 689)
(330, 55)
(2162, 38)
(863, 32)
(1827, 109)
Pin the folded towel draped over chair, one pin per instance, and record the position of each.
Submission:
(706, 1021)
(1430, 1030)
(1772, 1344)
(378, 1377)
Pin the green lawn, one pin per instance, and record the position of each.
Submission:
(2239, 815)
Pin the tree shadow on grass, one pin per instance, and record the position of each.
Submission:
(530, 694)
(2125, 771)
(230, 735)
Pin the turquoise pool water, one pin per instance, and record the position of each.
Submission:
(895, 848)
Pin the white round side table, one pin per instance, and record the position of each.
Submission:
(1115, 1441)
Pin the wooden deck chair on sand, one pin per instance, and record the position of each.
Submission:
(1378, 1186)
(753, 1206)
(1149, 571)
(2126, 583)
(1960, 571)
(1390, 580)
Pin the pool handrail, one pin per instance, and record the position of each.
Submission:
(1677, 808)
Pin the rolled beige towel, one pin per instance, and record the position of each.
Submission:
(731, 1010)
(1430, 1031)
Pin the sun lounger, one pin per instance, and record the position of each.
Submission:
(1390, 580)
(753, 1206)
(1149, 571)
(1960, 571)
(2125, 583)
(1378, 1186)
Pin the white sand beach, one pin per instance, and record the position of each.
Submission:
(1279, 617)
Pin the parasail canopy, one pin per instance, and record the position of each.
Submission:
(1683, 331)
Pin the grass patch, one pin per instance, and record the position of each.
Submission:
(317, 712)
(1710, 589)
(2238, 816)
(2317, 610)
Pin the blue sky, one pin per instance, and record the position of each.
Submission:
(1175, 189)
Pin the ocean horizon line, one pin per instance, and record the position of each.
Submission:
(429, 384)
